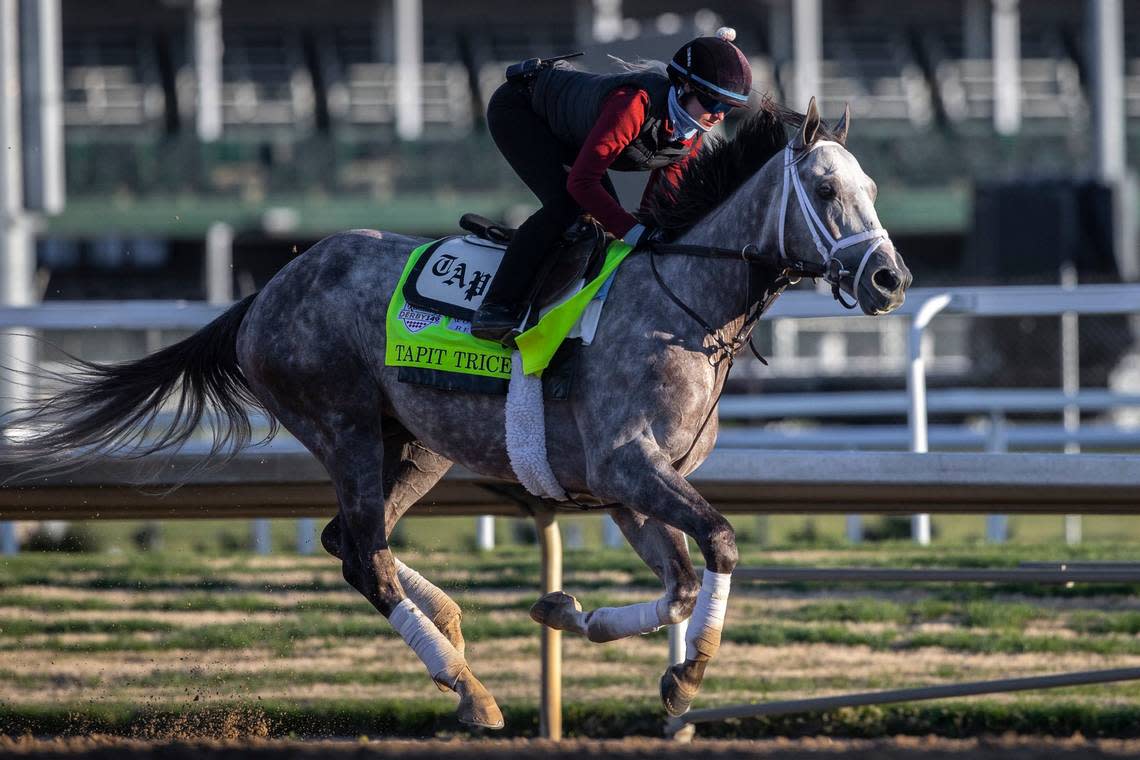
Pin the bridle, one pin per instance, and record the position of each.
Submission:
(833, 271)
(789, 271)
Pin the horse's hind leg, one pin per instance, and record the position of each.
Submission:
(666, 552)
(354, 459)
(410, 471)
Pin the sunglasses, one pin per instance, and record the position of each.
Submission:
(711, 104)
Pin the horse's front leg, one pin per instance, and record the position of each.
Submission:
(665, 550)
(641, 477)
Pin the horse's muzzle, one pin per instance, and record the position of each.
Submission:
(882, 288)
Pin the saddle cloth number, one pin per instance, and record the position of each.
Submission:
(452, 277)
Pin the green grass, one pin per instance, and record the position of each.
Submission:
(157, 595)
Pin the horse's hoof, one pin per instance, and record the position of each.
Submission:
(477, 707)
(676, 697)
(557, 610)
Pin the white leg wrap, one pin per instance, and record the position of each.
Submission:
(424, 593)
(702, 639)
(443, 663)
(610, 623)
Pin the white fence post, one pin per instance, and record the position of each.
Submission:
(611, 533)
(916, 387)
(262, 540)
(855, 529)
(997, 526)
(9, 543)
(306, 535)
(1071, 385)
(485, 533)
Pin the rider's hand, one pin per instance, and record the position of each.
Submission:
(639, 235)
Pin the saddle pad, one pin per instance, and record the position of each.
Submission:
(431, 339)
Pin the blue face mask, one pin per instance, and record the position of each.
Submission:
(684, 123)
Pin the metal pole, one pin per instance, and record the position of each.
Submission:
(219, 264)
(1071, 385)
(611, 533)
(1007, 75)
(262, 538)
(807, 23)
(17, 254)
(1105, 43)
(997, 526)
(824, 704)
(855, 529)
(1043, 572)
(306, 535)
(9, 541)
(208, 48)
(41, 56)
(677, 635)
(485, 533)
(550, 710)
(1105, 27)
(409, 63)
(916, 389)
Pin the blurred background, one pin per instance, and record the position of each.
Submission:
(187, 149)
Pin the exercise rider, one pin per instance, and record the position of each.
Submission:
(547, 117)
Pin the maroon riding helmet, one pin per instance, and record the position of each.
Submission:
(715, 68)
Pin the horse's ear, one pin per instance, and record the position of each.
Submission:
(840, 128)
(809, 130)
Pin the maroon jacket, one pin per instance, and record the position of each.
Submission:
(620, 121)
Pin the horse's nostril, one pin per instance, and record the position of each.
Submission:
(886, 279)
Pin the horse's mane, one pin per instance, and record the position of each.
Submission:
(718, 170)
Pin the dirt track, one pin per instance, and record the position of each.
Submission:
(918, 748)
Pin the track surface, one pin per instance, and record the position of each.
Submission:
(898, 748)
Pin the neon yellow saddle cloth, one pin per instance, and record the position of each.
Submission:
(425, 339)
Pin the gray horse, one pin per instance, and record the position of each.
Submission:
(309, 349)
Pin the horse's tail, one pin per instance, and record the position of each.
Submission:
(106, 409)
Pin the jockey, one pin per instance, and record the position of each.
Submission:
(550, 117)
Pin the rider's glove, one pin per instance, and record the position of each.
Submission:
(639, 235)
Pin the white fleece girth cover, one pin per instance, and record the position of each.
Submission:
(526, 434)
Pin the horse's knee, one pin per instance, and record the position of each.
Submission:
(720, 550)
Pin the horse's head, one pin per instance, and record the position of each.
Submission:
(826, 216)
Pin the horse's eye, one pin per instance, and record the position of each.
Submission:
(825, 191)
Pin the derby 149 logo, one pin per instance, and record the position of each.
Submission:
(417, 319)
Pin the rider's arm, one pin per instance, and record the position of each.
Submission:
(623, 113)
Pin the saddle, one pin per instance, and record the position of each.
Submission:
(578, 255)
(444, 284)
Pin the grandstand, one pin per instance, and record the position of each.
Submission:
(311, 142)
(309, 101)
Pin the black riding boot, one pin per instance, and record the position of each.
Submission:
(503, 309)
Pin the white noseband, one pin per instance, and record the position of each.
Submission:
(818, 229)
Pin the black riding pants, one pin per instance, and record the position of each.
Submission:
(541, 160)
